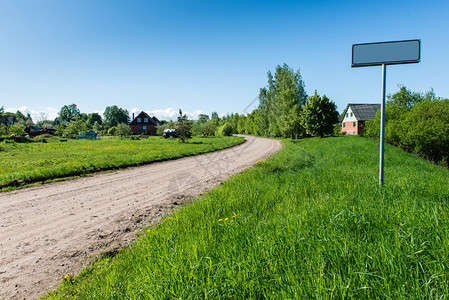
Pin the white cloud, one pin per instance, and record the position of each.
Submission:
(168, 113)
(48, 113)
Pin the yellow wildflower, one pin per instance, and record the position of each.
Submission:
(226, 219)
(219, 220)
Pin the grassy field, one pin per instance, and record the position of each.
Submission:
(28, 162)
(310, 223)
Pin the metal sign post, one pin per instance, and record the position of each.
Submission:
(383, 54)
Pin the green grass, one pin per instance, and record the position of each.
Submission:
(25, 163)
(310, 223)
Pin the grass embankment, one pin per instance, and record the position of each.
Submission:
(311, 222)
(28, 162)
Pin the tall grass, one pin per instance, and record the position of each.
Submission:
(22, 163)
(311, 222)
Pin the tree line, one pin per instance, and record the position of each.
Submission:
(285, 110)
(417, 123)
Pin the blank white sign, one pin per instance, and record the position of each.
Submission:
(388, 53)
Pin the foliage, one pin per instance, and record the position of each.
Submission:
(201, 128)
(94, 118)
(225, 130)
(417, 123)
(114, 115)
(183, 127)
(23, 163)
(3, 130)
(123, 130)
(281, 102)
(59, 130)
(97, 126)
(319, 115)
(309, 223)
(203, 118)
(16, 129)
(74, 128)
(112, 130)
(160, 128)
(69, 113)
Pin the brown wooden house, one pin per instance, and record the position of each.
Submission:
(143, 124)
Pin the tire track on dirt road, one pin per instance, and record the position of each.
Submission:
(49, 230)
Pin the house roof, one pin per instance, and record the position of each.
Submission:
(363, 112)
(142, 116)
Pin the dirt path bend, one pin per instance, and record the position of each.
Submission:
(50, 230)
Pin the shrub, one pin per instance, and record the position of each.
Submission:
(74, 128)
(425, 131)
(112, 130)
(204, 128)
(16, 129)
(3, 130)
(225, 130)
(123, 130)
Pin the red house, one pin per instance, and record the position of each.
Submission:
(144, 124)
(356, 114)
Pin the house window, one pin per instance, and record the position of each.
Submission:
(347, 115)
(140, 127)
(344, 125)
(146, 120)
(354, 124)
(139, 120)
(144, 128)
(351, 114)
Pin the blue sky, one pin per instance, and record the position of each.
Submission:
(204, 56)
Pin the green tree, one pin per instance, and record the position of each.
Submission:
(69, 113)
(225, 130)
(319, 115)
(93, 118)
(16, 129)
(112, 130)
(97, 127)
(74, 128)
(203, 118)
(3, 130)
(241, 124)
(123, 130)
(183, 127)
(281, 102)
(113, 115)
(204, 128)
(215, 118)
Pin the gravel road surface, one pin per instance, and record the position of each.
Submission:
(50, 230)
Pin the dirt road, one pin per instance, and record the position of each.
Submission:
(50, 230)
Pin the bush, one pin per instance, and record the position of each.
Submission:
(416, 123)
(425, 131)
(225, 130)
(3, 130)
(112, 130)
(123, 130)
(17, 130)
(204, 128)
(74, 128)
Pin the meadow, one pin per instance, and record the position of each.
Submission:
(23, 163)
(309, 223)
